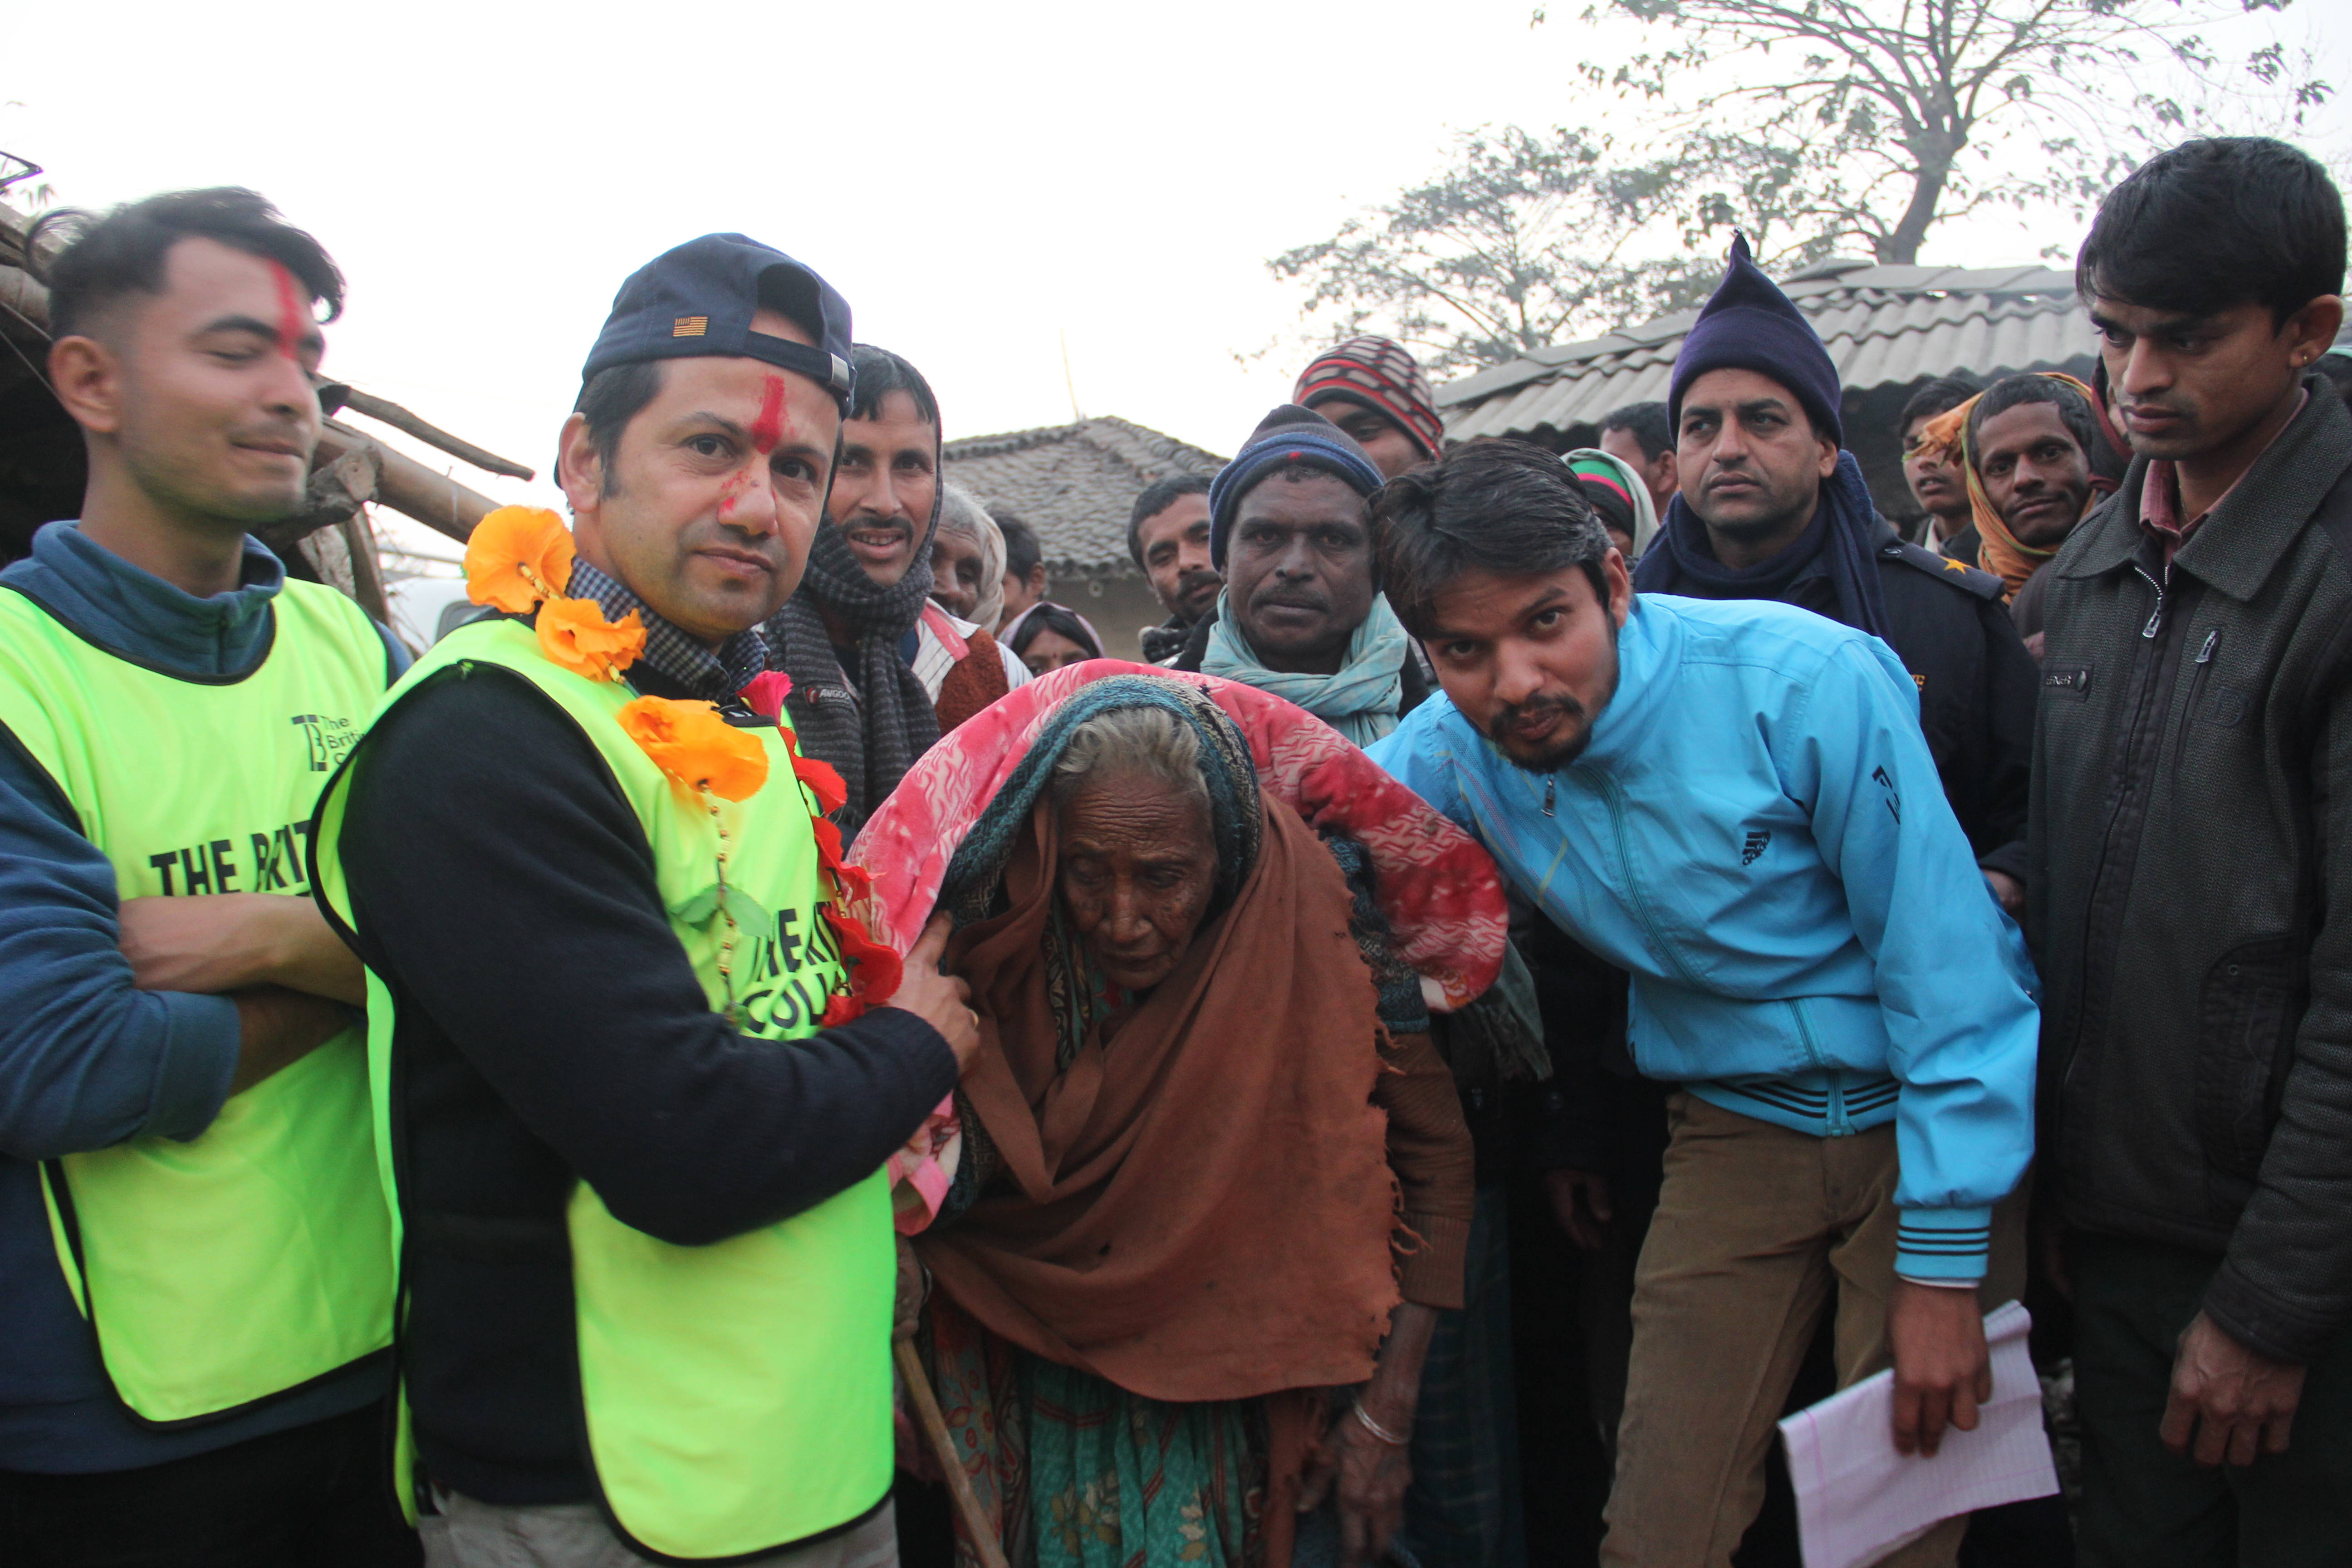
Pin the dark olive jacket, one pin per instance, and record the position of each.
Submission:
(2193, 738)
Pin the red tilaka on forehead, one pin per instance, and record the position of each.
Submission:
(766, 431)
(769, 428)
(293, 320)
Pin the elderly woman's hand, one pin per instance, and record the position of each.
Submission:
(1372, 1468)
(939, 1000)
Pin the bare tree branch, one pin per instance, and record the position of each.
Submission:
(1905, 87)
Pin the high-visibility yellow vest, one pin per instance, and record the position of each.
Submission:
(736, 1396)
(252, 1259)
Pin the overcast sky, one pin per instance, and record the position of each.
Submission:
(983, 182)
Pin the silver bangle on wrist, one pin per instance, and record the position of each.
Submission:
(1364, 1419)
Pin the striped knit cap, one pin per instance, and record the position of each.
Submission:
(1379, 372)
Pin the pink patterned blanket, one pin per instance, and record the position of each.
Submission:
(1438, 888)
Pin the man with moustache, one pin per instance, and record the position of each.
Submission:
(1168, 535)
(1772, 508)
(1301, 612)
(2190, 868)
(647, 1260)
(1301, 615)
(195, 1270)
(2036, 453)
(1733, 802)
(878, 671)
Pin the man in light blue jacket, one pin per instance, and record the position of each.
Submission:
(1734, 802)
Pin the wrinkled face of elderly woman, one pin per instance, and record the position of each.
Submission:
(1137, 868)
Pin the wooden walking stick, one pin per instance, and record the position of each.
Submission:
(935, 1428)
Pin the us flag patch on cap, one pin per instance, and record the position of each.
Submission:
(689, 326)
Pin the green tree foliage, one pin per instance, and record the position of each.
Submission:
(1882, 117)
(1527, 238)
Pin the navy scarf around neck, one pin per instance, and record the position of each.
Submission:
(1682, 562)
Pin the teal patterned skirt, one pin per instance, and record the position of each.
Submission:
(1078, 1472)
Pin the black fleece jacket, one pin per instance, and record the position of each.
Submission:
(552, 1030)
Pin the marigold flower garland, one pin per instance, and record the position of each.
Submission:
(513, 559)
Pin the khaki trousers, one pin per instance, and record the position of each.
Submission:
(467, 1533)
(1760, 1230)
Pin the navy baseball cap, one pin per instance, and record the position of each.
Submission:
(698, 300)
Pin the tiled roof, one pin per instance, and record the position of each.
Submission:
(1074, 484)
(1884, 326)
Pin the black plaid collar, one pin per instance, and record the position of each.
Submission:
(713, 677)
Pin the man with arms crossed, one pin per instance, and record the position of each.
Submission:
(1732, 801)
(193, 1364)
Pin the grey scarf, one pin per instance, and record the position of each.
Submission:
(872, 726)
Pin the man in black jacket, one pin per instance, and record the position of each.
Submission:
(2191, 858)
(553, 1037)
(1771, 508)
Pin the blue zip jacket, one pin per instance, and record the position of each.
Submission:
(1758, 834)
(87, 1059)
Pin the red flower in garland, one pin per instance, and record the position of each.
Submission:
(875, 967)
(764, 693)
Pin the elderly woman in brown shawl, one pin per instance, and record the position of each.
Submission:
(1214, 1181)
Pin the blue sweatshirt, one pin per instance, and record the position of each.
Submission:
(1758, 834)
(86, 1059)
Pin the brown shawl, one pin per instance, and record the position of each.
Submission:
(977, 681)
(1204, 1210)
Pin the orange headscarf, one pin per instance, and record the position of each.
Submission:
(1999, 550)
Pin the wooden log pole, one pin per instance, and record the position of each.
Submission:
(383, 411)
(407, 486)
(21, 295)
(935, 1427)
(367, 567)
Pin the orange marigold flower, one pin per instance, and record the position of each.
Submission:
(574, 634)
(697, 748)
(517, 556)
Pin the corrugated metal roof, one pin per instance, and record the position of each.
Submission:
(1074, 484)
(1883, 325)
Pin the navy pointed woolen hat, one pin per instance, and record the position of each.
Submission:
(1749, 324)
(1289, 435)
(699, 297)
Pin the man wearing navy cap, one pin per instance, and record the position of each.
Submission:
(647, 1249)
(1301, 614)
(1771, 507)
